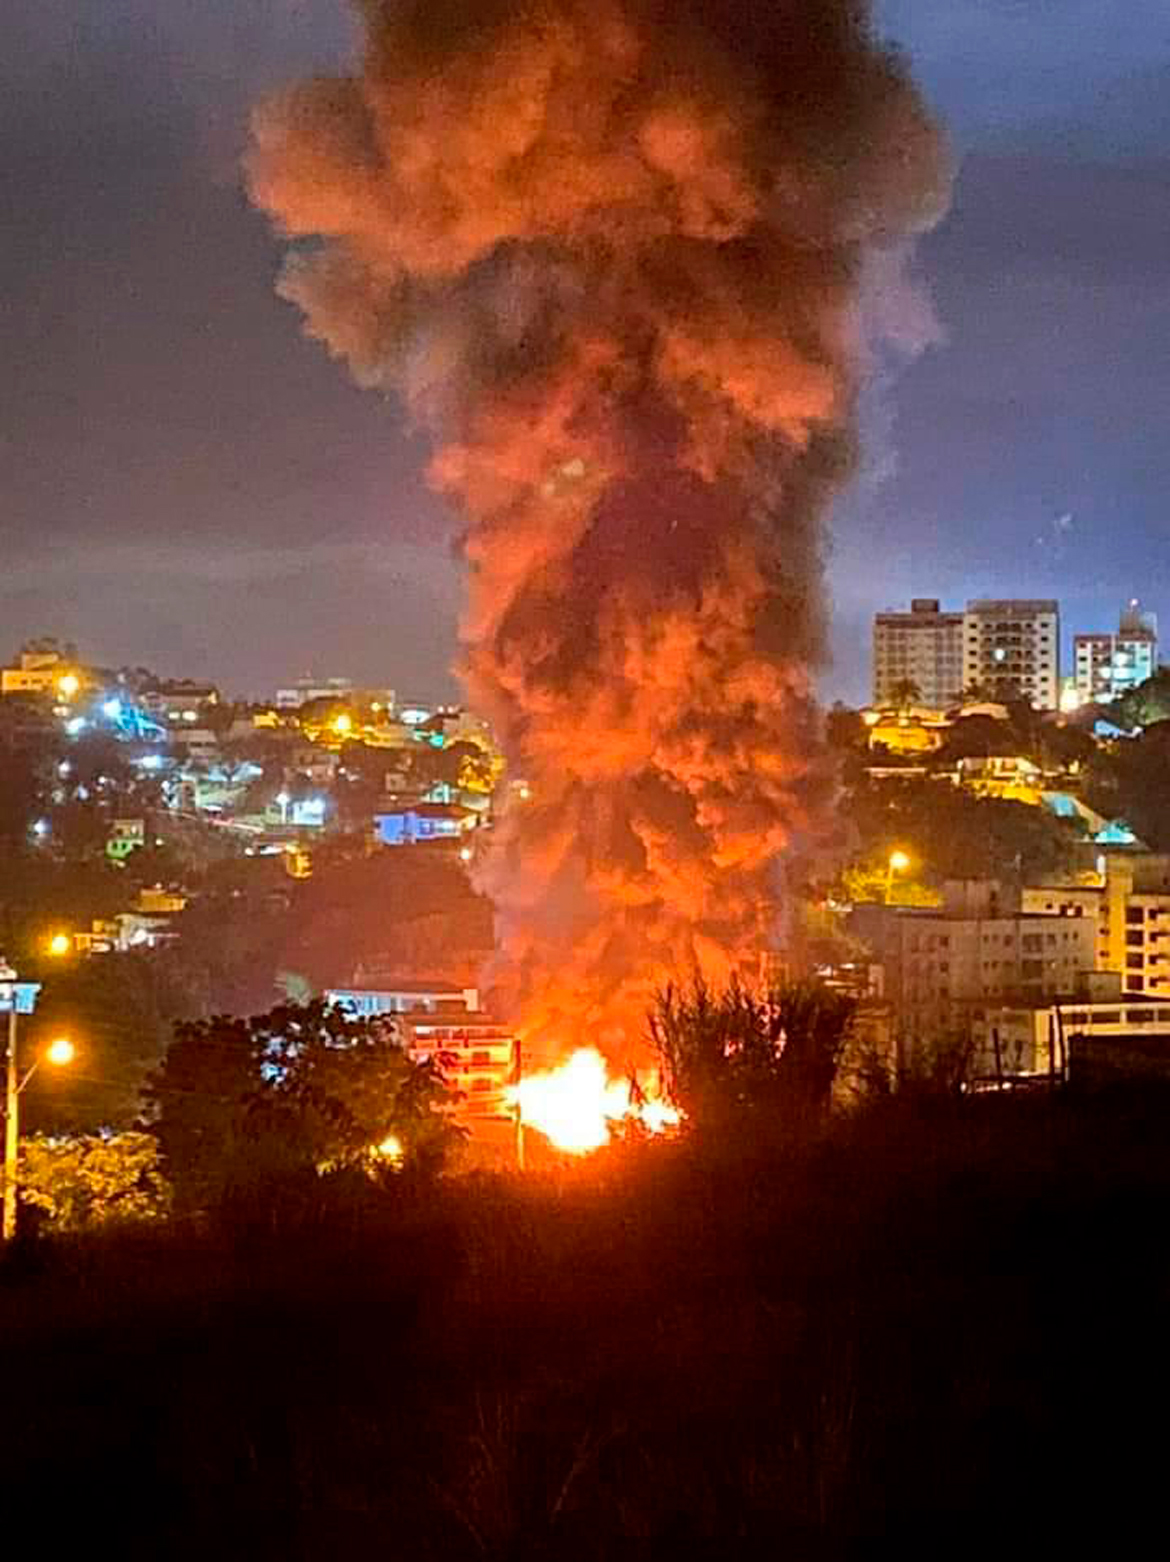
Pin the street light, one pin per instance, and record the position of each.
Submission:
(390, 1149)
(59, 945)
(897, 862)
(20, 998)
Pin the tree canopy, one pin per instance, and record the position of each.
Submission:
(952, 834)
(1145, 705)
(301, 1088)
(93, 1179)
(1130, 780)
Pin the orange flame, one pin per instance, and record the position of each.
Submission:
(574, 1105)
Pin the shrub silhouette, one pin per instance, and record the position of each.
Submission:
(747, 1062)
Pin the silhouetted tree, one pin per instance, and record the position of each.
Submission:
(1130, 780)
(955, 834)
(745, 1063)
(118, 1010)
(302, 1088)
(20, 794)
(904, 693)
(844, 728)
(1145, 705)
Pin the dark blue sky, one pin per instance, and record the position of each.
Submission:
(185, 481)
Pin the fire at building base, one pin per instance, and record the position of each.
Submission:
(576, 1106)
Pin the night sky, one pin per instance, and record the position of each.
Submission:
(187, 483)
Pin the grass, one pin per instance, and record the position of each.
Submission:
(940, 1323)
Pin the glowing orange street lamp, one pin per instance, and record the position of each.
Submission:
(60, 1052)
(390, 1149)
(59, 944)
(897, 862)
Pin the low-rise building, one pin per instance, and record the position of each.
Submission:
(368, 1003)
(319, 764)
(1129, 912)
(912, 731)
(289, 811)
(410, 824)
(156, 900)
(302, 690)
(1106, 1043)
(978, 949)
(476, 1055)
(46, 667)
(101, 939)
(126, 835)
(136, 930)
(444, 1024)
(178, 701)
(1014, 777)
(199, 743)
(1101, 1033)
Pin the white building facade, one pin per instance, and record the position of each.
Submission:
(1108, 665)
(1011, 650)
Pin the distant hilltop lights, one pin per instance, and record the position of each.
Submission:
(267, 779)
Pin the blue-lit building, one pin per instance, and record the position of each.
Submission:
(1109, 665)
(411, 823)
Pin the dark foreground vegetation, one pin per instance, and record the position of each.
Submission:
(943, 1324)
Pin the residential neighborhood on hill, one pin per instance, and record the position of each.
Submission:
(1003, 854)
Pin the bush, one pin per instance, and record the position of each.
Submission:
(941, 1318)
(93, 1180)
(761, 1061)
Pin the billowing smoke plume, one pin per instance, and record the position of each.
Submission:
(608, 252)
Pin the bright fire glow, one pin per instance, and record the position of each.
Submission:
(574, 1105)
(390, 1149)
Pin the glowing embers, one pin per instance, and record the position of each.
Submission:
(576, 1105)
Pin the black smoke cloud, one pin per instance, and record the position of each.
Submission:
(610, 256)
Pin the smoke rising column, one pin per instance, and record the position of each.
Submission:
(609, 255)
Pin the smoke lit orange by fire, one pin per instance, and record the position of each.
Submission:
(611, 254)
(574, 1106)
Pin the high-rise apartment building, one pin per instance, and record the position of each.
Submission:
(1107, 665)
(923, 647)
(1011, 650)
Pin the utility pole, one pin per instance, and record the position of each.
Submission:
(15, 998)
(518, 1075)
(11, 1129)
